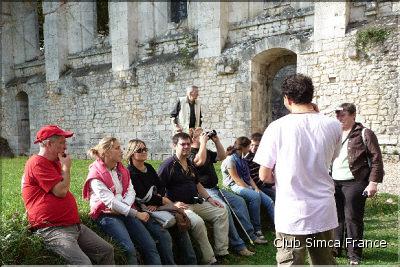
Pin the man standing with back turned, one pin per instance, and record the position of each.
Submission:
(51, 207)
(301, 146)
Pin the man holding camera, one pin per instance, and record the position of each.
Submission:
(182, 186)
(204, 160)
(51, 207)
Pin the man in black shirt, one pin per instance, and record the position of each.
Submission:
(183, 187)
(204, 160)
(187, 111)
(254, 167)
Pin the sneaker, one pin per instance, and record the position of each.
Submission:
(245, 252)
(354, 262)
(260, 241)
(260, 235)
(212, 261)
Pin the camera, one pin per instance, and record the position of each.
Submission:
(198, 200)
(211, 133)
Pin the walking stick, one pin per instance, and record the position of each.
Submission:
(236, 217)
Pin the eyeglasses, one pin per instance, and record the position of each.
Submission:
(142, 150)
(184, 144)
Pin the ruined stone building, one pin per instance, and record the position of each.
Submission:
(125, 82)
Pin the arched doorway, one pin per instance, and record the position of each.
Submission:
(23, 129)
(268, 69)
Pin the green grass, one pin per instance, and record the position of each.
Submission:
(18, 246)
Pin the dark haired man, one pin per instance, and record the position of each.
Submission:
(183, 187)
(254, 168)
(301, 146)
(357, 169)
(51, 207)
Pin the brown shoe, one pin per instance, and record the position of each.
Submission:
(260, 241)
(245, 252)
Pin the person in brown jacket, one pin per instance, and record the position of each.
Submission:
(356, 172)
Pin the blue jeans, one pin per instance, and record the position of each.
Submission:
(184, 246)
(163, 240)
(124, 230)
(239, 207)
(254, 200)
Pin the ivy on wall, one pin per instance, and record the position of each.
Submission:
(370, 37)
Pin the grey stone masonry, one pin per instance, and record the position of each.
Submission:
(237, 53)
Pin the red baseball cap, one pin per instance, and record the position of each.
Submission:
(48, 131)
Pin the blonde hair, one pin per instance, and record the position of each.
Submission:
(99, 150)
(133, 145)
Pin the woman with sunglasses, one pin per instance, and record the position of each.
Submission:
(236, 176)
(144, 177)
(111, 194)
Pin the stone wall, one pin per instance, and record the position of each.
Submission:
(369, 80)
(126, 84)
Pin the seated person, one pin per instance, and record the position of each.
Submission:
(111, 194)
(183, 187)
(204, 160)
(51, 207)
(144, 177)
(254, 167)
(236, 176)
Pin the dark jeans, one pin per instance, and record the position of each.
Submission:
(124, 230)
(350, 205)
(269, 191)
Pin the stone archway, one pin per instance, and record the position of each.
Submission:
(23, 128)
(268, 69)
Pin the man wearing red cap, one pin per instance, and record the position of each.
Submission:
(51, 207)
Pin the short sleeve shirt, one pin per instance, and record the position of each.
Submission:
(179, 184)
(207, 175)
(302, 148)
(227, 163)
(43, 207)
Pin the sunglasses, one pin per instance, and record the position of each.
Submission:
(141, 150)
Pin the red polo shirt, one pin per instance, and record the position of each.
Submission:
(43, 207)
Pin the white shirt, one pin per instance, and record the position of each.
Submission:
(117, 202)
(302, 148)
(340, 167)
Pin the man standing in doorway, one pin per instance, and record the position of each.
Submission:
(187, 111)
(301, 146)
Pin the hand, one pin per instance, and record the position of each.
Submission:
(151, 208)
(203, 138)
(371, 189)
(181, 205)
(257, 189)
(143, 216)
(65, 161)
(215, 139)
(215, 203)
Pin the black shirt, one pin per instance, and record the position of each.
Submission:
(207, 175)
(179, 184)
(142, 181)
(192, 120)
(254, 170)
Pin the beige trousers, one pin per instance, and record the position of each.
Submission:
(218, 217)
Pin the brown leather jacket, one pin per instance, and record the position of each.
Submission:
(357, 155)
